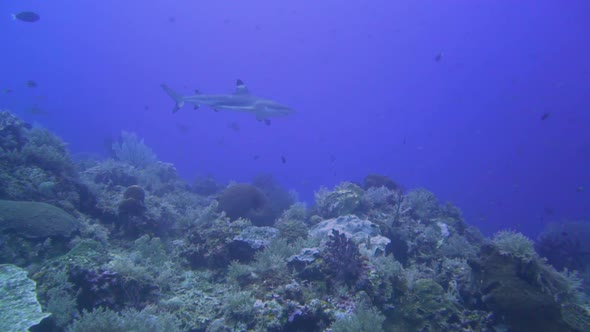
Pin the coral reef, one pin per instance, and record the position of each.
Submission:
(125, 244)
(565, 246)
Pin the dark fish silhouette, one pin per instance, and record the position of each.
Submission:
(545, 115)
(31, 84)
(283, 160)
(234, 126)
(26, 17)
(182, 128)
(36, 110)
(438, 57)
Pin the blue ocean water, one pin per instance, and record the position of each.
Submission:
(483, 103)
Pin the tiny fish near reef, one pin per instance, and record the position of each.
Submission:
(26, 17)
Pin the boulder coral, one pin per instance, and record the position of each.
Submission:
(246, 201)
(36, 220)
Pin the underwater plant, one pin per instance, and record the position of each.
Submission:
(133, 151)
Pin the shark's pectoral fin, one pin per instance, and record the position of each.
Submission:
(262, 118)
(178, 106)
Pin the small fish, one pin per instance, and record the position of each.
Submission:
(549, 211)
(580, 189)
(31, 84)
(146, 107)
(234, 126)
(545, 115)
(182, 128)
(438, 57)
(256, 157)
(171, 19)
(36, 110)
(7, 91)
(26, 17)
(283, 160)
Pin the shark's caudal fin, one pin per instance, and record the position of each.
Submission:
(178, 99)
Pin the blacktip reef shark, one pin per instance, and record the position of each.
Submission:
(241, 100)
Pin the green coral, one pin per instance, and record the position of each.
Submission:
(19, 308)
(239, 306)
(426, 307)
(576, 316)
(345, 199)
(48, 151)
(147, 320)
(424, 204)
(146, 262)
(363, 320)
(515, 244)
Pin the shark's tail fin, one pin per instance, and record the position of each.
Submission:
(178, 99)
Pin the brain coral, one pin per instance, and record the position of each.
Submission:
(35, 220)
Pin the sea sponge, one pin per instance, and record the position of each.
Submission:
(243, 200)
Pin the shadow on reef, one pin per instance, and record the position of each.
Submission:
(124, 244)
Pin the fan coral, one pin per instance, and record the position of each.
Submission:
(133, 151)
(342, 259)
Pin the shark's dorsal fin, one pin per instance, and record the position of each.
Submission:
(241, 88)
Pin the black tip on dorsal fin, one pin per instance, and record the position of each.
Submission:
(197, 92)
(239, 82)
